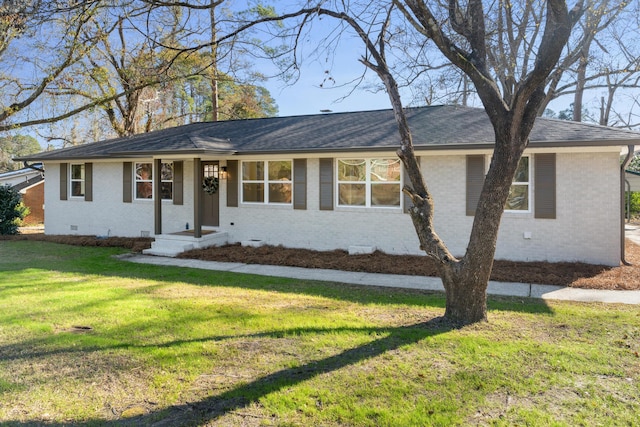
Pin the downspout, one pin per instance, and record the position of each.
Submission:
(623, 168)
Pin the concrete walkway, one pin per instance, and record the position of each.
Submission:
(397, 281)
(632, 232)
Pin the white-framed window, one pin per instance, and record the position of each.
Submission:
(519, 199)
(166, 181)
(77, 180)
(143, 181)
(267, 181)
(369, 182)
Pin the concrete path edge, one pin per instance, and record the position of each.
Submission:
(525, 290)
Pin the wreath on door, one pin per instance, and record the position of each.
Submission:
(210, 185)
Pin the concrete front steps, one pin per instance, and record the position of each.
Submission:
(171, 245)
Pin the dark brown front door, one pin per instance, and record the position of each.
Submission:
(210, 202)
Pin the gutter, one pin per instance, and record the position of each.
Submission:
(27, 165)
(623, 168)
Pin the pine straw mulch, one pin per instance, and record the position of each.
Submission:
(563, 273)
(577, 275)
(135, 244)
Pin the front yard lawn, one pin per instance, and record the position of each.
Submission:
(86, 338)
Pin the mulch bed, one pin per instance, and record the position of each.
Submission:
(136, 244)
(563, 273)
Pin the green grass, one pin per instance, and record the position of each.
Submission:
(190, 347)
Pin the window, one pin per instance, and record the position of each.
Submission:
(369, 182)
(518, 200)
(77, 180)
(267, 181)
(166, 184)
(144, 181)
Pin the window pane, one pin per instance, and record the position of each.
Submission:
(280, 171)
(167, 172)
(352, 194)
(352, 170)
(279, 193)
(144, 172)
(253, 193)
(522, 172)
(385, 170)
(77, 188)
(144, 190)
(209, 171)
(385, 195)
(253, 171)
(518, 199)
(166, 189)
(77, 171)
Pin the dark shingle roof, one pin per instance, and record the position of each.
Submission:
(438, 127)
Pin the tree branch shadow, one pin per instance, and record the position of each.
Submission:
(215, 407)
(240, 397)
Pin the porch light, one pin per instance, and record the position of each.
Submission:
(223, 172)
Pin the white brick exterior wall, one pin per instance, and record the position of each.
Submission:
(107, 213)
(586, 228)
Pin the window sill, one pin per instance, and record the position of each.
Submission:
(267, 205)
(516, 214)
(377, 209)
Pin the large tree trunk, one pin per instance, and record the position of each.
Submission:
(466, 299)
(466, 279)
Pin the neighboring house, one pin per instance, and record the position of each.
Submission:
(334, 181)
(633, 180)
(30, 183)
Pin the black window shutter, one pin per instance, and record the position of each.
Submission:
(545, 185)
(232, 183)
(88, 182)
(127, 185)
(475, 181)
(64, 183)
(326, 184)
(178, 183)
(300, 184)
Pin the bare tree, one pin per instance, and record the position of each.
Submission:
(600, 60)
(511, 87)
(598, 57)
(118, 58)
(31, 61)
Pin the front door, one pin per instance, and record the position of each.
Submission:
(210, 202)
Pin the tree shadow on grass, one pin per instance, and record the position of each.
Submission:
(96, 261)
(215, 407)
(212, 408)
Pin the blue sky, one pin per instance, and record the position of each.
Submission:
(318, 59)
(306, 97)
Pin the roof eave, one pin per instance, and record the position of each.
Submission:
(588, 143)
(128, 154)
(160, 153)
(444, 147)
(422, 147)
